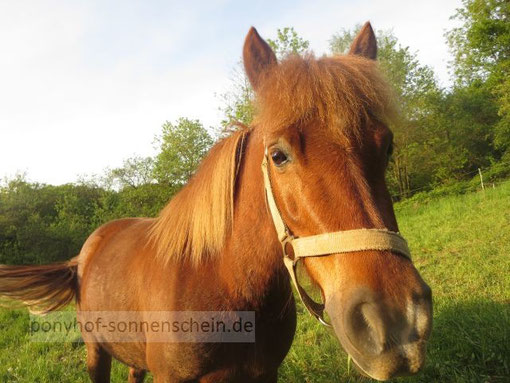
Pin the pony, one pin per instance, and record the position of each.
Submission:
(322, 129)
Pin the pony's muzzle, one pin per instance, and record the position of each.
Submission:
(383, 339)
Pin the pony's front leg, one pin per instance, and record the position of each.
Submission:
(99, 363)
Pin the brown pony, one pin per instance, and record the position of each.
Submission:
(324, 124)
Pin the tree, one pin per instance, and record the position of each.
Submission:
(182, 146)
(238, 101)
(43, 223)
(145, 200)
(481, 48)
(288, 42)
(135, 172)
(481, 44)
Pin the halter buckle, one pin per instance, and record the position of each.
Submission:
(288, 241)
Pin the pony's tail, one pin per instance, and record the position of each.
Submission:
(43, 288)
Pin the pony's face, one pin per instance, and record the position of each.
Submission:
(378, 304)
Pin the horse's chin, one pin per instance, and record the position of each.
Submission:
(383, 371)
(366, 374)
(358, 368)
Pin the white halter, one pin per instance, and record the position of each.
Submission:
(325, 244)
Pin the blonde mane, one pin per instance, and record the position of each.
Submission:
(196, 222)
(341, 93)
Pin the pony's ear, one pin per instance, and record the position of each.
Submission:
(258, 57)
(365, 43)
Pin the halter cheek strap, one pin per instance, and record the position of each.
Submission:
(325, 244)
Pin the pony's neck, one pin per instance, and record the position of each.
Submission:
(252, 260)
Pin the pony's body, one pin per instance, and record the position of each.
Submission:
(322, 131)
(174, 289)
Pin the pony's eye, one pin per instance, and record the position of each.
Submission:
(278, 157)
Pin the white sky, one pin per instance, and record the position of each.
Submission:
(87, 84)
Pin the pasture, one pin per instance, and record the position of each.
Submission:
(461, 247)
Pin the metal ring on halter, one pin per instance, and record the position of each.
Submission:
(288, 241)
(316, 309)
(291, 262)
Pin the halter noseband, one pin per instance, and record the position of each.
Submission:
(325, 244)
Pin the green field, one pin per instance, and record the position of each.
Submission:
(461, 246)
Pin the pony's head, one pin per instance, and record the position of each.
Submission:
(325, 124)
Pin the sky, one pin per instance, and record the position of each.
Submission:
(86, 84)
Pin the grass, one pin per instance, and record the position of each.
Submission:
(460, 245)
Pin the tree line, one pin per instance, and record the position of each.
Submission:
(42, 223)
(444, 136)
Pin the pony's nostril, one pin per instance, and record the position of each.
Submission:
(374, 320)
(423, 295)
(367, 327)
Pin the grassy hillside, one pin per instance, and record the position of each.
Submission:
(460, 245)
